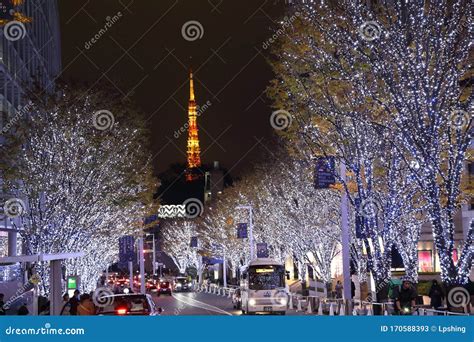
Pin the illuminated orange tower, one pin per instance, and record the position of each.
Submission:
(194, 151)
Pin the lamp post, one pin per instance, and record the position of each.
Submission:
(249, 208)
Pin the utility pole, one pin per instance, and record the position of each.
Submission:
(130, 271)
(346, 256)
(142, 266)
(224, 271)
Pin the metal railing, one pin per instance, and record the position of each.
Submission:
(331, 306)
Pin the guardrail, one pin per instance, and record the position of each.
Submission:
(215, 289)
(321, 306)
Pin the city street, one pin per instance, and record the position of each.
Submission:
(191, 303)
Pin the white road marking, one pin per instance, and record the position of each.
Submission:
(198, 304)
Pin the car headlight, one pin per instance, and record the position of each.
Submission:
(252, 302)
(283, 301)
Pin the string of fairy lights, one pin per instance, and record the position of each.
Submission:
(392, 71)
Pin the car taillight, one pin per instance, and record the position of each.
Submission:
(121, 311)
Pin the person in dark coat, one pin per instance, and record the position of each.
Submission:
(74, 303)
(23, 311)
(436, 294)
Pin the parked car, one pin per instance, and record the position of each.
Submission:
(129, 305)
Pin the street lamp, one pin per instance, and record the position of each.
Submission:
(249, 208)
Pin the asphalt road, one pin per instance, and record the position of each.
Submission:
(192, 303)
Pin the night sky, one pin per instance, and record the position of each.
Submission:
(145, 56)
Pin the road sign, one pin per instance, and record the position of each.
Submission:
(242, 231)
(262, 250)
(324, 172)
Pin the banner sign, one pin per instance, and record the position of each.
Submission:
(262, 250)
(126, 250)
(242, 231)
(324, 172)
(212, 260)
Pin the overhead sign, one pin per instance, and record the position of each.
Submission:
(126, 249)
(262, 250)
(324, 172)
(242, 231)
(212, 261)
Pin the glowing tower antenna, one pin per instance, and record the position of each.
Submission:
(194, 151)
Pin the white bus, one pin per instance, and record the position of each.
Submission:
(262, 286)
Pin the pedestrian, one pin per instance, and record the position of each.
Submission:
(86, 306)
(66, 310)
(2, 303)
(436, 295)
(74, 303)
(404, 296)
(23, 310)
(353, 289)
(339, 288)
